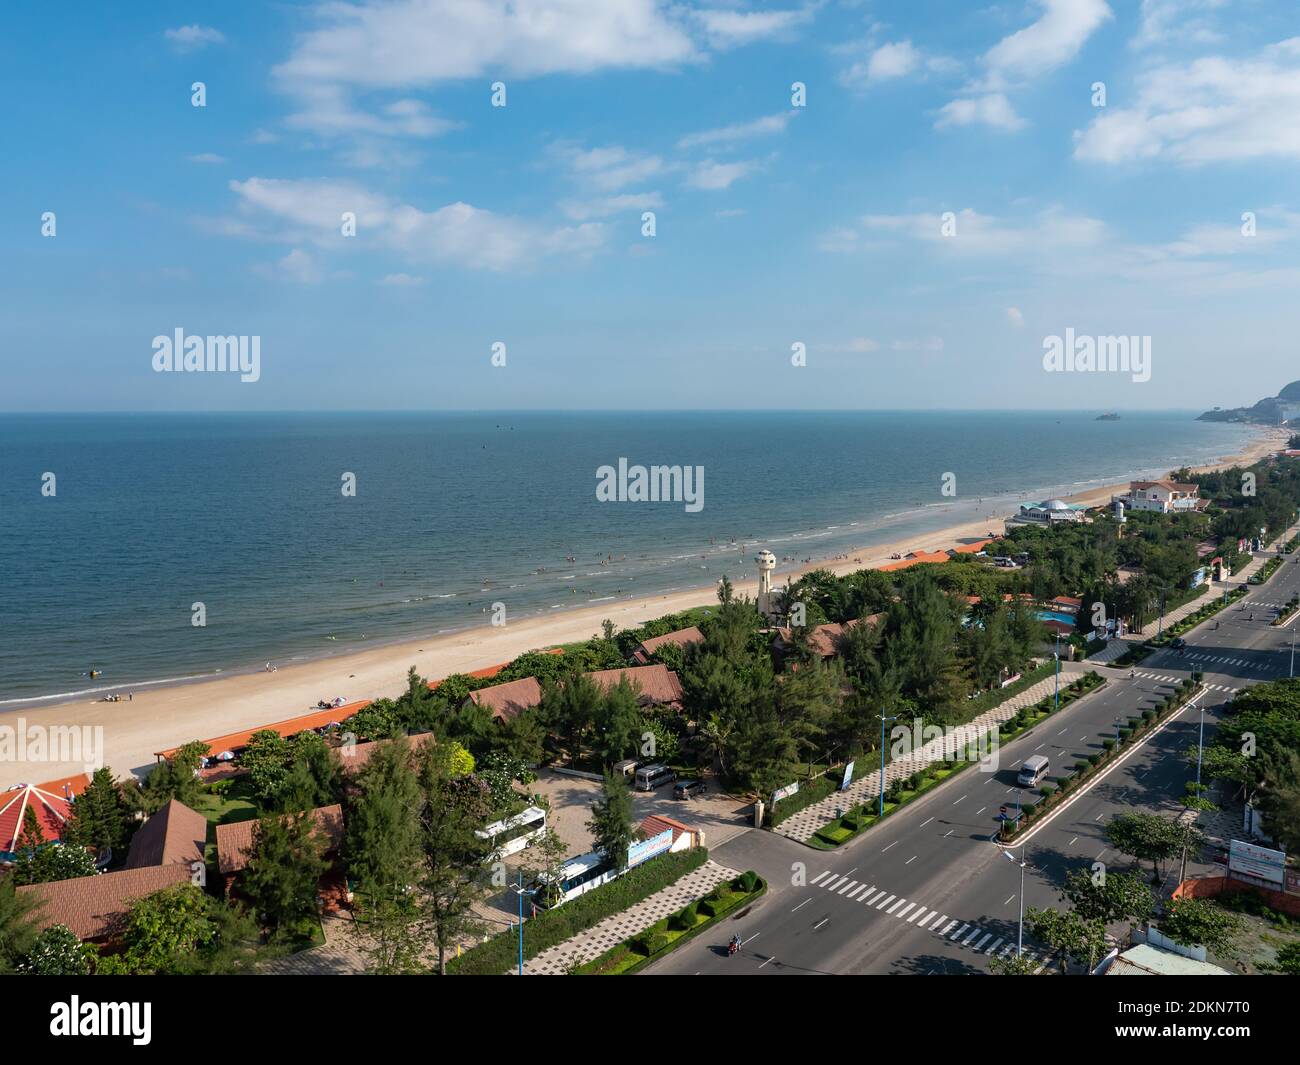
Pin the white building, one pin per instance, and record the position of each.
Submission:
(1049, 512)
(1163, 497)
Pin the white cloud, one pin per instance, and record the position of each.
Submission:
(610, 168)
(457, 234)
(731, 29)
(1213, 109)
(190, 38)
(400, 280)
(992, 109)
(298, 266)
(918, 344)
(206, 157)
(1015, 317)
(583, 210)
(712, 176)
(987, 235)
(1183, 21)
(739, 131)
(1050, 42)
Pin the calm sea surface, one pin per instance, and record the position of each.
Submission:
(244, 514)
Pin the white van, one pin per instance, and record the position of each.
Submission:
(1033, 771)
(649, 777)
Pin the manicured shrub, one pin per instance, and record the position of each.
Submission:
(748, 881)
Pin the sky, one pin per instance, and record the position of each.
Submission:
(918, 194)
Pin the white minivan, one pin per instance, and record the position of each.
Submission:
(1034, 769)
(649, 777)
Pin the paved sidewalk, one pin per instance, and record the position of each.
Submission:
(592, 943)
(806, 822)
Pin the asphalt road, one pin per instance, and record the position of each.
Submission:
(928, 891)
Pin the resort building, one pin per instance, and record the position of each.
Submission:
(175, 834)
(235, 849)
(50, 804)
(658, 684)
(1049, 512)
(1162, 497)
(683, 638)
(94, 908)
(825, 641)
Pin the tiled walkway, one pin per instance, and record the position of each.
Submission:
(802, 825)
(592, 943)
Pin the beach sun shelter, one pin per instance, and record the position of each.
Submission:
(50, 808)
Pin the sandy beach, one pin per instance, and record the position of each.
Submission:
(164, 717)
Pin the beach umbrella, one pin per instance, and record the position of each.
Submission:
(51, 809)
(226, 756)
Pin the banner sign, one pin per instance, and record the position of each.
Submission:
(848, 777)
(784, 793)
(1259, 862)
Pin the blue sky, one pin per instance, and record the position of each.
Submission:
(775, 224)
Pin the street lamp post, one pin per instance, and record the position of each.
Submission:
(883, 719)
(1292, 673)
(519, 891)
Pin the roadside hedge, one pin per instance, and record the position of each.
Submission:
(551, 927)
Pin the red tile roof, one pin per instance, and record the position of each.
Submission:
(824, 640)
(659, 684)
(657, 823)
(491, 671)
(681, 638)
(972, 549)
(174, 834)
(357, 756)
(235, 841)
(509, 699)
(94, 907)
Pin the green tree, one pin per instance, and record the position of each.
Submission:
(1014, 965)
(176, 778)
(284, 869)
(1150, 837)
(17, 930)
(1199, 922)
(1279, 797)
(100, 815)
(1110, 898)
(266, 759)
(1076, 937)
(454, 808)
(611, 823)
(312, 777)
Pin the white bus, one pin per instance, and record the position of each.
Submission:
(514, 833)
(577, 876)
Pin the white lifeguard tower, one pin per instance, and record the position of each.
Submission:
(766, 564)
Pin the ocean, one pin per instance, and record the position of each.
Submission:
(153, 514)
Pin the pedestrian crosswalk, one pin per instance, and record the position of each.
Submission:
(1178, 680)
(964, 933)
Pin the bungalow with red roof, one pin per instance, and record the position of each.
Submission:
(659, 687)
(175, 834)
(49, 803)
(235, 850)
(826, 641)
(646, 649)
(94, 908)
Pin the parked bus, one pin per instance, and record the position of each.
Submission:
(577, 876)
(514, 833)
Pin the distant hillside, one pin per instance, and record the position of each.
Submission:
(1275, 410)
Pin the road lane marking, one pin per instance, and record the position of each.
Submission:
(935, 924)
(996, 943)
(896, 905)
(948, 928)
(846, 887)
(823, 921)
(915, 916)
(801, 905)
(967, 941)
(949, 833)
(874, 899)
(925, 822)
(886, 902)
(1072, 842)
(821, 875)
(1008, 902)
(769, 959)
(959, 800)
(959, 931)
(910, 860)
(909, 906)
(980, 945)
(832, 887)
(887, 848)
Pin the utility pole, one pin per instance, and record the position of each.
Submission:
(883, 719)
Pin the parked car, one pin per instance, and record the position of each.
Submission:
(686, 789)
(1178, 644)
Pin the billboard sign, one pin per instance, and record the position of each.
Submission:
(785, 793)
(645, 849)
(1258, 862)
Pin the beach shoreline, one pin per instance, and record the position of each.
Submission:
(165, 714)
